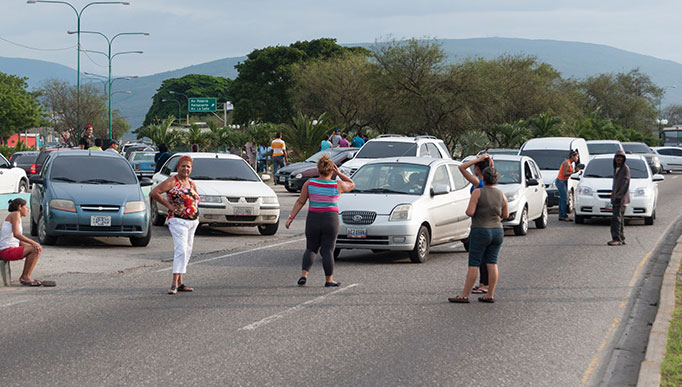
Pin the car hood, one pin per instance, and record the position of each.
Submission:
(356, 163)
(233, 188)
(607, 184)
(296, 167)
(507, 188)
(101, 194)
(382, 204)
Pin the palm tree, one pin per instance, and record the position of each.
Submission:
(161, 133)
(511, 135)
(305, 134)
(545, 125)
(195, 136)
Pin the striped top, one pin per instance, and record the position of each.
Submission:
(323, 195)
(278, 147)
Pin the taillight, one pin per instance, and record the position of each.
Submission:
(33, 169)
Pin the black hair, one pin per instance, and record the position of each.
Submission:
(14, 204)
(326, 137)
(195, 147)
(278, 135)
(490, 176)
(482, 165)
(98, 142)
(163, 148)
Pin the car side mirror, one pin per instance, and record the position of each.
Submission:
(532, 182)
(657, 178)
(581, 166)
(441, 189)
(146, 182)
(265, 177)
(36, 179)
(173, 173)
(14, 164)
(575, 176)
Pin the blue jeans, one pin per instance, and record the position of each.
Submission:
(277, 163)
(485, 245)
(562, 187)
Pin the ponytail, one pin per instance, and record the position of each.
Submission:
(14, 204)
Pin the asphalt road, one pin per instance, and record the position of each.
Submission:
(561, 297)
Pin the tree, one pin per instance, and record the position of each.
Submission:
(161, 133)
(195, 136)
(673, 113)
(510, 135)
(304, 135)
(545, 125)
(19, 108)
(192, 85)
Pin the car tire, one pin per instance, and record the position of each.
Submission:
(337, 252)
(579, 219)
(420, 253)
(268, 229)
(570, 202)
(650, 220)
(157, 219)
(522, 228)
(465, 243)
(542, 221)
(34, 227)
(23, 187)
(142, 241)
(43, 237)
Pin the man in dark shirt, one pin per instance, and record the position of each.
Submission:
(88, 140)
(620, 197)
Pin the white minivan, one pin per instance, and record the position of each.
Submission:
(549, 153)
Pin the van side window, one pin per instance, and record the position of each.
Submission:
(433, 150)
(170, 166)
(423, 151)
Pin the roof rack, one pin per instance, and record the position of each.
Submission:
(389, 135)
(426, 136)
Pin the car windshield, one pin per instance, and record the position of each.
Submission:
(144, 157)
(636, 148)
(508, 171)
(24, 158)
(318, 155)
(380, 149)
(92, 170)
(603, 168)
(546, 159)
(500, 152)
(602, 149)
(396, 178)
(222, 169)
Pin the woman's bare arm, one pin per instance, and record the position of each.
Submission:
(473, 202)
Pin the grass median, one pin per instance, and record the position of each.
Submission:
(671, 369)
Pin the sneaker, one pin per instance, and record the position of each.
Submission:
(302, 281)
(328, 284)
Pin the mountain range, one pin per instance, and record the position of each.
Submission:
(572, 59)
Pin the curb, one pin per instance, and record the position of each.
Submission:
(650, 370)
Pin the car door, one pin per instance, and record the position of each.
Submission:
(533, 193)
(461, 196)
(441, 207)
(675, 158)
(7, 178)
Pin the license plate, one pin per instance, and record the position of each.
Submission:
(356, 233)
(243, 211)
(282, 179)
(100, 221)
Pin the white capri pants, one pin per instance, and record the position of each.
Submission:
(182, 231)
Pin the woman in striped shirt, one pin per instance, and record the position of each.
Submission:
(322, 223)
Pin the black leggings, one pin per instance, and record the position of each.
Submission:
(484, 272)
(321, 230)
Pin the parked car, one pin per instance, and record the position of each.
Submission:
(670, 158)
(405, 204)
(593, 197)
(12, 179)
(25, 161)
(640, 148)
(391, 145)
(604, 147)
(84, 193)
(231, 192)
(40, 160)
(293, 176)
(499, 151)
(521, 181)
(549, 153)
(143, 163)
(137, 148)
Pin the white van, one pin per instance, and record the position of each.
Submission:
(549, 153)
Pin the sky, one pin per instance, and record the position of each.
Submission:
(186, 32)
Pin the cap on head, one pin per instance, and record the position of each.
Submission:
(88, 127)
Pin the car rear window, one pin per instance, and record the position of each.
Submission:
(144, 157)
(603, 168)
(602, 149)
(24, 158)
(636, 148)
(380, 149)
(92, 170)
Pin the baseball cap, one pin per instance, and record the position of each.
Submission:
(88, 127)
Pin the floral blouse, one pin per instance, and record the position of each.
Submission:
(186, 200)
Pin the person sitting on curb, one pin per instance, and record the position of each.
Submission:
(14, 246)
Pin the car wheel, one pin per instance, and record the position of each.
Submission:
(579, 219)
(23, 187)
(421, 247)
(542, 221)
(337, 252)
(268, 229)
(157, 219)
(570, 202)
(650, 220)
(522, 228)
(142, 241)
(43, 236)
(465, 243)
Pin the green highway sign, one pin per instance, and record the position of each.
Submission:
(202, 105)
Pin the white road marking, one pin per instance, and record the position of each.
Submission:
(235, 253)
(291, 310)
(675, 177)
(13, 303)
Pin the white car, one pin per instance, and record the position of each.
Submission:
(12, 179)
(392, 145)
(593, 196)
(670, 157)
(521, 181)
(405, 204)
(604, 147)
(231, 193)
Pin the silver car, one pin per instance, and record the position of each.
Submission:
(405, 204)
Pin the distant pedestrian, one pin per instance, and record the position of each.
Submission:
(336, 137)
(161, 157)
(98, 145)
(112, 146)
(262, 155)
(279, 153)
(322, 223)
(344, 143)
(358, 141)
(195, 148)
(487, 207)
(182, 201)
(325, 144)
(620, 198)
(88, 140)
(14, 246)
(565, 172)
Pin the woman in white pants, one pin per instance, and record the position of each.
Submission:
(182, 201)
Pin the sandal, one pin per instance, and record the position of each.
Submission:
(459, 300)
(478, 290)
(183, 288)
(173, 290)
(614, 243)
(31, 283)
(488, 300)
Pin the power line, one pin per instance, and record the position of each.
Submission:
(35, 48)
(92, 60)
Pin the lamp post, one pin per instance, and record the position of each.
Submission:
(662, 121)
(175, 92)
(78, 46)
(176, 101)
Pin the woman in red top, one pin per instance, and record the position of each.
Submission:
(183, 218)
(565, 172)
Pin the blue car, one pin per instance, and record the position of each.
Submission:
(143, 163)
(89, 193)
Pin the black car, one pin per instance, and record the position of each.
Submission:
(293, 176)
(640, 148)
(25, 161)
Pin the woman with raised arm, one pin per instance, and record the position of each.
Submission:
(322, 223)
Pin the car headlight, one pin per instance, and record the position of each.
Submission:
(62, 204)
(511, 196)
(401, 212)
(298, 176)
(136, 206)
(639, 192)
(270, 200)
(585, 191)
(345, 170)
(211, 199)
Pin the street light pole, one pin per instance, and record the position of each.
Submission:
(78, 46)
(175, 92)
(176, 101)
